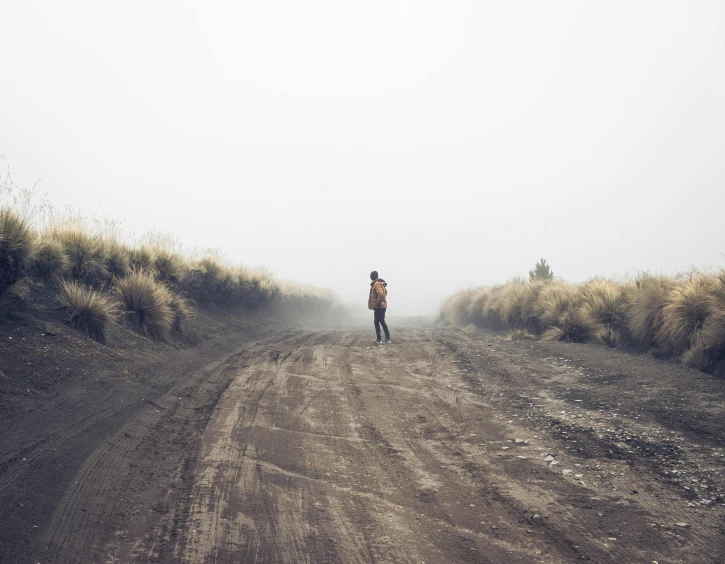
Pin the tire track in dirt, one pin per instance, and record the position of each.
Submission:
(130, 489)
(317, 448)
(345, 452)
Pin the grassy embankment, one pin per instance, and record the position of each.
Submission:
(682, 318)
(100, 278)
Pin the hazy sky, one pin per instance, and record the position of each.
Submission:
(442, 143)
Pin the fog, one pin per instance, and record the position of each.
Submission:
(441, 143)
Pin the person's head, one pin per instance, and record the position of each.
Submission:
(374, 275)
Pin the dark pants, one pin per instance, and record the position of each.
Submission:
(380, 320)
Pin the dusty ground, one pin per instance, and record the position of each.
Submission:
(443, 447)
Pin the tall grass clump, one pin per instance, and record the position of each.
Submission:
(169, 266)
(607, 302)
(646, 301)
(685, 310)
(50, 260)
(86, 253)
(147, 302)
(87, 309)
(118, 259)
(708, 352)
(16, 248)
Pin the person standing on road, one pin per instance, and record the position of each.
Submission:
(378, 302)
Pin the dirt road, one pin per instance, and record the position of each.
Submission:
(443, 447)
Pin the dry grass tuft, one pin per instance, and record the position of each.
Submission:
(16, 248)
(88, 310)
(87, 255)
(50, 260)
(685, 310)
(141, 258)
(646, 301)
(148, 304)
(606, 300)
(169, 266)
(555, 300)
(181, 308)
(575, 326)
(117, 258)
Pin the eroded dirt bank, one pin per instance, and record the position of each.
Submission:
(444, 447)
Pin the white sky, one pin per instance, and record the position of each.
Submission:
(443, 143)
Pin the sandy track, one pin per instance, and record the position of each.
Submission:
(317, 447)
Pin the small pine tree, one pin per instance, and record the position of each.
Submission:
(541, 271)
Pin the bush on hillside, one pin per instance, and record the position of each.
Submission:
(169, 266)
(87, 255)
(646, 301)
(685, 310)
(87, 309)
(141, 258)
(574, 326)
(16, 248)
(50, 260)
(117, 258)
(181, 310)
(147, 303)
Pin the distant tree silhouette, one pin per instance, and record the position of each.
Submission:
(541, 271)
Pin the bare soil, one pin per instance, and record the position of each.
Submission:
(269, 444)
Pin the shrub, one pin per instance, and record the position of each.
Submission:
(455, 307)
(708, 349)
(575, 326)
(87, 255)
(117, 258)
(554, 301)
(87, 309)
(148, 304)
(646, 301)
(16, 248)
(181, 309)
(50, 259)
(141, 258)
(169, 266)
(606, 300)
(685, 310)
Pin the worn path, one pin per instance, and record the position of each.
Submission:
(443, 447)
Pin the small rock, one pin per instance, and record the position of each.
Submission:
(520, 441)
(537, 516)
(566, 472)
(549, 458)
(553, 463)
(682, 524)
(706, 502)
(578, 476)
(611, 538)
(622, 502)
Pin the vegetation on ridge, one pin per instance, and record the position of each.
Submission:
(681, 318)
(98, 271)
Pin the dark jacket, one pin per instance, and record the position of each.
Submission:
(378, 293)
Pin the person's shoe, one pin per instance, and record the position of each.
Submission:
(379, 341)
(388, 342)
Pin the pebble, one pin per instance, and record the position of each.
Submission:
(566, 472)
(622, 502)
(549, 458)
(682, 524)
